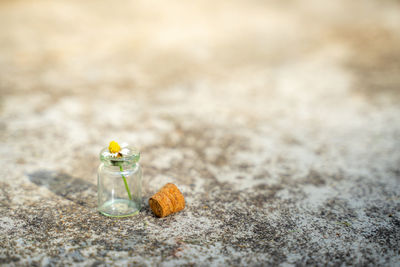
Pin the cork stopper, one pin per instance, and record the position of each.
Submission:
(166, 201)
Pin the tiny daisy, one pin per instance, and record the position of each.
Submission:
(115, 150)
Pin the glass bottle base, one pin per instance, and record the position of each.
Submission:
(119, 208)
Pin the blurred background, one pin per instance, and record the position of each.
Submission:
(198, 81)
(192, 75)
(74, 75)
(285, 106)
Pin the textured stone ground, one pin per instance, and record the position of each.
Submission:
(279, 121)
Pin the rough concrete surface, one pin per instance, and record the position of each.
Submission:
(278, 120)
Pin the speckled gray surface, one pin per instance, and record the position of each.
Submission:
(278, 120)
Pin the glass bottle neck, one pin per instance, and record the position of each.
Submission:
(120, 164)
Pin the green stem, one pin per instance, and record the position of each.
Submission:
(126, 184)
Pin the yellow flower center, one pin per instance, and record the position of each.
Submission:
(114, 147)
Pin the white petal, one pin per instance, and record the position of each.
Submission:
(124, 151)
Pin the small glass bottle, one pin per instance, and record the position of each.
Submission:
(119, 183)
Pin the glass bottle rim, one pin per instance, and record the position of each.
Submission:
(132, 155)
